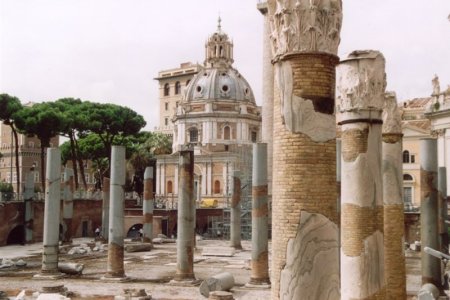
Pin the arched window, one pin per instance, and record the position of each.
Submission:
(177, 88)
(217, 187)
(226, 133)
(407, 177)
(169, 187)
(166, 89)
(406, 157)
(193, 135)
(187, 82)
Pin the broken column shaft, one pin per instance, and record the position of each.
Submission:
(360, 93)
(394, 256)
(186, 211)
(115, 267)
(235, 213)
(51, 213)
(147, 208)
(304, 213)
(68, 203)
(260, 215)
(105, 207)
(431, 266)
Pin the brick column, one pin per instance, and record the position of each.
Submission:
(304, 206)
(360, 94)
(69, 188)
(394, 256)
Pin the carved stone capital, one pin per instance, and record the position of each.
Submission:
(437, 133)
(304, 25)
(391, 115)
(361, 81)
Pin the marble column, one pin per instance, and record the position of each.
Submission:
(147, 208)
(69, 187)
(105, 208)
(115, 266)
(267, 93)
(442, 206)
(51, 215)
(304, 213)
(394, 226)
(429, 212)
(186, 211)
(260, 215)
(235, 212)
(28, 195)
(360, 88)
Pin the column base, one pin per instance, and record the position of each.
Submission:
(258, 284)
(185, 282)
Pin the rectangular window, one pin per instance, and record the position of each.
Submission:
(407, 195)
(14, 177)
(87, 177)
(413, 159)
(166, 106)
(166, 121)
(36, 176)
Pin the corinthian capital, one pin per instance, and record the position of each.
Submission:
(305, 26)
(361, 81)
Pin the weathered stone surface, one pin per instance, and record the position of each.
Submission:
(219, 282)
(391, 115)
(138, 247)
(314, 249)
(218, 251)
(361, 81)
(305, 26)
(70, 268)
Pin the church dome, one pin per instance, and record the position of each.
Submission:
(219, 84)
(219, 80)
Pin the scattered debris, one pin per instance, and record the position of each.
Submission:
(134, 294)
(70, 268)
(138, 247)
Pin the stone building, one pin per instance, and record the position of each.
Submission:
(438, 111)
(415, 126)
(29, 156)
(218, 117)
(172, 83)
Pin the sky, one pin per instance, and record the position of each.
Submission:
(111, 50)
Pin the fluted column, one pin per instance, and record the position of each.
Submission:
(361, 82)
(304, 213)
(394, 256)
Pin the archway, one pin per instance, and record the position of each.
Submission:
(134, 231)
(16, 236)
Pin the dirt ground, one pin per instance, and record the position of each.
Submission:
(152, 270)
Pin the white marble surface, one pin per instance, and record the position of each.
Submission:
(391, 115)
(361, 81)
(312, 260)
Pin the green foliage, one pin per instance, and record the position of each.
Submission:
(9, 105)
(6, 187)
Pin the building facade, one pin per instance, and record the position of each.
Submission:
(218, 117)
(415, 126)
(172, 83)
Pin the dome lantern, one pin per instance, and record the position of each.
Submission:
(219, 49)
